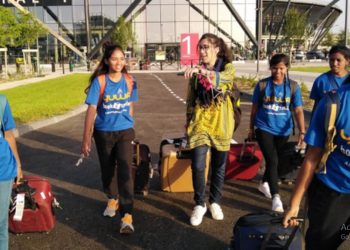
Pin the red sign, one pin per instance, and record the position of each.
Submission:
(189, 55)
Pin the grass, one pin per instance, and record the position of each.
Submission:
(311, 69)
(46, 99)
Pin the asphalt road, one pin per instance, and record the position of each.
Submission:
(161, 219)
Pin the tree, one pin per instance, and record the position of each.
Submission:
(341, 38)
(329, 40)
(8, 27)
(294, 28)
(123, 34)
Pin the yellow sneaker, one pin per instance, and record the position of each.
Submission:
(126, 226)
(112, 207)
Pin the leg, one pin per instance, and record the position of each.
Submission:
(5, 192)
(124, 154)
(329, 214)
(199, 155)
(218, 165)
(104, 144)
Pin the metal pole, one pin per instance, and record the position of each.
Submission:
(87, 27)
(259, 27)
(346, 23)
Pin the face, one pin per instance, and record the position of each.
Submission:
(338, 63)
(278, 72)
(207, 52)
(116, 62)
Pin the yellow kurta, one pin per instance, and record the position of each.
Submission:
(212, 126)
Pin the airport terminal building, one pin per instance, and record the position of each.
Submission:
(162, 23)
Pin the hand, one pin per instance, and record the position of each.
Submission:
(86, 147)
(188, 73)
(301, 143)
(19, 175)
(289, 214)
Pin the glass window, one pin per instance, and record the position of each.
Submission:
(194, 15)
(153, 32)
(78, 14)
(95, 10)
(226, 26)
(109, 12)
(37, 11)
(95, 2)
(153, 13)
(181, 27)
(167, 1)
(109, 2)
(78, 2)
(48, 18)
(197, 27)
(225, 14)
(121, 9)
(154, 2)
(168, 32)
(213, 12)
(250, 12)
(139, 29)
(167, 13)
(66, 15)
(182, 12)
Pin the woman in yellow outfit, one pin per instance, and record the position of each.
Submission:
(209, 121)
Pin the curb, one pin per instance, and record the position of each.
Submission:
(25, 128)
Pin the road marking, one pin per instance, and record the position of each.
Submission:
(169, 89)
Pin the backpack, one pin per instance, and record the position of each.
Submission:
(102, 82)
(293, 88)
(2, 111)
(332, 112)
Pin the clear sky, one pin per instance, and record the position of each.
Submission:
(339, 25)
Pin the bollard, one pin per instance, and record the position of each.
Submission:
(53, 67)
(71, 66)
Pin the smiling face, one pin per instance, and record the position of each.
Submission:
(338, 64)
(278, 71)
(208, 52)
(116, 62)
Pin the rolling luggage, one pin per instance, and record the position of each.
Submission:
(292, 158)
(265, 231)
(175, 167)
(142, 168)
(38, 206)
(243, 161)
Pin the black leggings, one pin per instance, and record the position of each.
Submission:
(115, 153)
(271, 146)
(329, 217)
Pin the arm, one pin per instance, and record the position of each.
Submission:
(299, 115)
(131, 112)
(10, 138)
(305, 175)
(251, 133)
(189, 103)
(88, 127)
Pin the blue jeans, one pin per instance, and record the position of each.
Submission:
(218, 164)
(5, 192)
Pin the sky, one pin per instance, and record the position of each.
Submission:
(339, 25)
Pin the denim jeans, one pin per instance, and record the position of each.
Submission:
(5, 192)
(218, 164)
(115, 155)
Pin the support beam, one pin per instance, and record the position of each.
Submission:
(107, 36)
(214, 24)
(51, 31)
(241, 22)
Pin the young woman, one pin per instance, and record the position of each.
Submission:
(113, 131)
(10, 167)
(272, 117)
(209, 121)
(328, 192)
(339, 58)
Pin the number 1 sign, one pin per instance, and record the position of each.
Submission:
(189, 53)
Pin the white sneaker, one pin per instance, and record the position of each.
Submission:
(277, 205)
(197, 215)
(112, 207)
(265, 189)
(216, 211)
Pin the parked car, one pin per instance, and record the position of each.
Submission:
(315, 54)
(299, 55)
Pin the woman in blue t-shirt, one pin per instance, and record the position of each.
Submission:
(272, 117)
(10, 167)
(328, 191)
(339, 59)
(110, 97)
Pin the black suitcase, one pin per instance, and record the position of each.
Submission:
(290, 162)
(265, 231)
(142, 168)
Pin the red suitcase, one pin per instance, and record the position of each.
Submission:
(40, 216)
(243, 161)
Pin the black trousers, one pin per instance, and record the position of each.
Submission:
(329, 217)
(270, 146)
(115, 155)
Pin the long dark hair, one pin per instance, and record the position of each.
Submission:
(224, 57)
(103, 67)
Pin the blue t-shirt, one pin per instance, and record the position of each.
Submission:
(8, 164)
(325, 83)
(338, 162)
(113, 114)
(274, 115)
